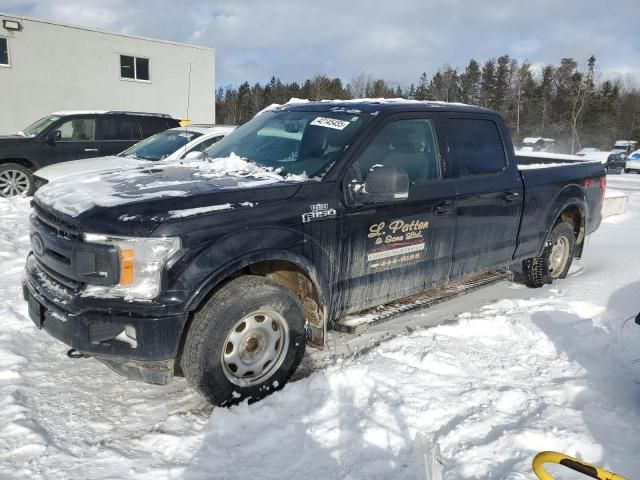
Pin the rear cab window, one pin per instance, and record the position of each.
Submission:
(477, 146)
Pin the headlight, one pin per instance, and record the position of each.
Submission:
(141, 263)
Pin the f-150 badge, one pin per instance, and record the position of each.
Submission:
(318, 211)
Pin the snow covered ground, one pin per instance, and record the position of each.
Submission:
(512, 372)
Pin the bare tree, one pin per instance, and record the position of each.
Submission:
(584, 90)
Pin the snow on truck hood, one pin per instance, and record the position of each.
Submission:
(88, 166)
(76, 194)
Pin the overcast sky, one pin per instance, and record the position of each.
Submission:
(395, 40)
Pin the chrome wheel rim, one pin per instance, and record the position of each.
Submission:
(559, 256)
(13, 182)
(255, 348)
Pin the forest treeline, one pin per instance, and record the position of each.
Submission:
(567, 102)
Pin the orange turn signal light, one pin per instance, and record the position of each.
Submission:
(126, 266)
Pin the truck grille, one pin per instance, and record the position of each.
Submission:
(64, 258)
(56, 223)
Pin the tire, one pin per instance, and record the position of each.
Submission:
(556, 258)
(230, 330)
(626, 170)
(15, 180)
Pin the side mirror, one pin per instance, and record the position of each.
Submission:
(52, 137)
(194, 155)
(385, 184)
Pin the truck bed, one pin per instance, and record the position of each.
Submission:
(548, 176)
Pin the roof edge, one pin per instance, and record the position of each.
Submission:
(106, 32)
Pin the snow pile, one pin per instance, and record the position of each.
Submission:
(236, 166)
(519, 371)
(189, 212)
(535, 166)
(548, 155)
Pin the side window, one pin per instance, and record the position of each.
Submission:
(202, 146)
(78, 130)
(4, 51)
(477, 146)
(407, 144)
(117, 128)
(152, 125)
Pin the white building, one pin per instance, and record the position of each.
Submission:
(47, 67)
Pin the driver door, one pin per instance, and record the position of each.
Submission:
(400, 246)
(77, 140)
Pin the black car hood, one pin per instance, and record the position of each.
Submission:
(138, 200)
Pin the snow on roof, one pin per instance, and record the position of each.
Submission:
(220, 129)
(79, 112)
(625, 143)
(368, 101)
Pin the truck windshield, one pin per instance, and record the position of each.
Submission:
(36, 127)
(293, 142)
(160, 145)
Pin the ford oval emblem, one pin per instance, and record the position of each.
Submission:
(37, 244)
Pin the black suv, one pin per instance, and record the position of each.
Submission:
(64, 136)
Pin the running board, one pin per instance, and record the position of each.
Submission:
(361, 321)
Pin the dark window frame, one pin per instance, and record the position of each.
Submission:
(135, 77)
(6, 41)
(452, 152)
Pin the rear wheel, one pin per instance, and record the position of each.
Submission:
(15, 180)
(245, 342)
(556, 258)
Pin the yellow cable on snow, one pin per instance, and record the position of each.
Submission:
(565, 460)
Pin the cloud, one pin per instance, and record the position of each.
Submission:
(397, 41)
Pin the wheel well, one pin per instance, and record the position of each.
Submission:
(574, 217)
(19, 161)
(298, 280)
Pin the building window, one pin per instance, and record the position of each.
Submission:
(134, 68)
(4, 51)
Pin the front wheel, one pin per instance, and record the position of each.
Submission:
(15, 180)
(245, 342)
(556, 258)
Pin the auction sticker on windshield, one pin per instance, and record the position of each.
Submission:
(329, 123)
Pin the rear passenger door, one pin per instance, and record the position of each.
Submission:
(489, 194)
(116, 133)
(403, 246)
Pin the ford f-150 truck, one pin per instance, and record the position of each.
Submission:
(225, 270)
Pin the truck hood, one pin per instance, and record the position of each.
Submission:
(135, 201)
(88, 166)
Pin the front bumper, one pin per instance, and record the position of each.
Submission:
(100, 332)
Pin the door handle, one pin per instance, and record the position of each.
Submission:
(511, 196)
(444, 208)
(91, 149)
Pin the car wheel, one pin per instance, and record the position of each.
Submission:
(15, 180)
(556, 258)
(245, 342)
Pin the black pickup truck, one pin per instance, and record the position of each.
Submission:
(224, 270)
